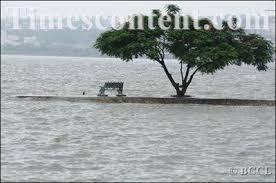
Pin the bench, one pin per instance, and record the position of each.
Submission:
(112, 86)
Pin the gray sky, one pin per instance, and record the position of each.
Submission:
(127, 8)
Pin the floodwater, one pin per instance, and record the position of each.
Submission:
(71, 141)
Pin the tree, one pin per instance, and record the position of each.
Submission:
(204, 49)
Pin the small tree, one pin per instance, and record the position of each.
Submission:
(203, 49)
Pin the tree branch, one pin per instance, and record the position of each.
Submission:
(160, 52)
(163, 53)
(187, 73)
(181, 72)
(175, 85)
(191, 77)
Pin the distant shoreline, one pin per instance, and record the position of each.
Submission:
(42, 55)
(67, 56)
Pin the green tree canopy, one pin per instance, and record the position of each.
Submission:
(204, 49)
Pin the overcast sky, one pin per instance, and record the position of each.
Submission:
(127, 7)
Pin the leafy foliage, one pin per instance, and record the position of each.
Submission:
(205, 49)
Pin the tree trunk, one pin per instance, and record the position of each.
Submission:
(184, 89)
(179, 93)
(182, 92)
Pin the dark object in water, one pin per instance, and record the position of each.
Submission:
(83, 93)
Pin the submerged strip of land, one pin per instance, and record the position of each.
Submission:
(155, 100)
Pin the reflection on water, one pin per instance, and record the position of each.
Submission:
(65, 141)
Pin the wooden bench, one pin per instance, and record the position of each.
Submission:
(112, 86)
